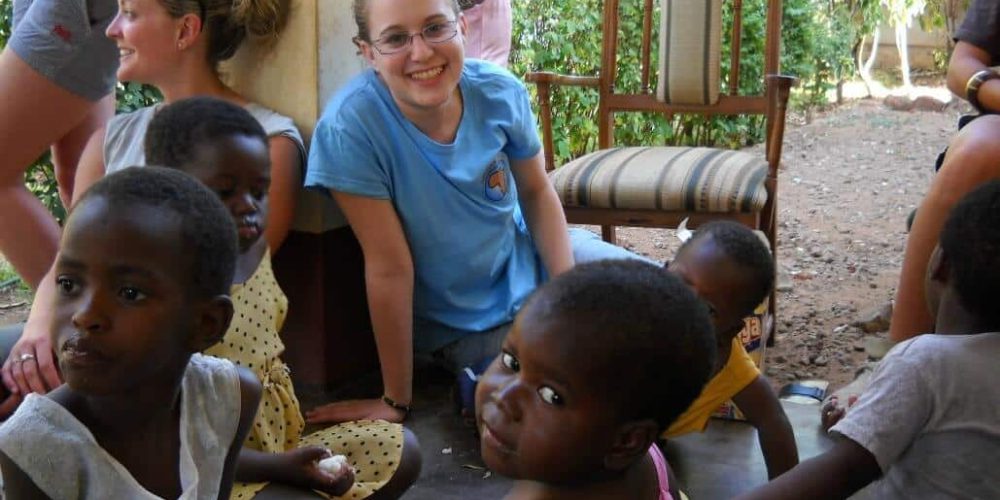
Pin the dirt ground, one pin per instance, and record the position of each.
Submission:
(849, 179)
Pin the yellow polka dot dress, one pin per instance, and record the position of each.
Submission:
(372, 447)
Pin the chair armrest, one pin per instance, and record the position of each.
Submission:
(544, 80)
(549, 78)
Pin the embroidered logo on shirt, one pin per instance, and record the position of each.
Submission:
(496, 179)
(62, 32)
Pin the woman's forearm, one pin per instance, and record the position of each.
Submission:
(544, 214)
(390, 300)
(547, 224)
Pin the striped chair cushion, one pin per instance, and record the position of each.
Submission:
(690, 48)
(664, 178)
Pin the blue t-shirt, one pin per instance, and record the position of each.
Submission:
(474, 261)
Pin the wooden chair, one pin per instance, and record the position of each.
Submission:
(662, 186)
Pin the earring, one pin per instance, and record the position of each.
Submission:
(180, 45)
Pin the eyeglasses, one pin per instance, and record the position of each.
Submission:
(394, 43)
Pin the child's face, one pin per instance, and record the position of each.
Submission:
(717, 280)
(424, 76)
(123, 310)
(539, 418)
(238, 169)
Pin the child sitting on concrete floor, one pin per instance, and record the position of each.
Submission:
(598, 363)
(224, 147)
(142, 273)
(730, 268)
(928, 425)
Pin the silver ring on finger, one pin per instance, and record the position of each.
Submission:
(26, 357)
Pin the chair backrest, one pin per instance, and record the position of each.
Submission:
(688, 76)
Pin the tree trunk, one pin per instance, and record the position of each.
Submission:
(904, 54)
(865, 68)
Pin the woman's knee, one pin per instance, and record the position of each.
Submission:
(975, 149)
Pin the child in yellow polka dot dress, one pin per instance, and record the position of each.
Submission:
(222, 145)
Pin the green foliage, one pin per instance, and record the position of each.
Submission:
(819, 37)
(943, 15)
(132, 96)
(9, 280)
(6, 12)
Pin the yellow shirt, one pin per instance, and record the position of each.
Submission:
(739, 371)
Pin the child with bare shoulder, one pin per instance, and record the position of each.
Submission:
(142, 275)
(599, 362)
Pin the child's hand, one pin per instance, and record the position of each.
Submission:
(300, 469)
(833, 412)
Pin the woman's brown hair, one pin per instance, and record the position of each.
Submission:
(229, 22)
(360, 9)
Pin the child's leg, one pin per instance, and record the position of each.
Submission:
(408, 471)
(402, 478)
(385, 456)
(275, 491)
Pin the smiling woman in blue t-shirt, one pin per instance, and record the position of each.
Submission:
(437, 164)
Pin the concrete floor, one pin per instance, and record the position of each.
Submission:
(718, 464)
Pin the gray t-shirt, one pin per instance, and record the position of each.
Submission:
(931, 418)
(123, 138)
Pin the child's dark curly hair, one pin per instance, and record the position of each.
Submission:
(208, 229)
(641, 336)
(970, 242)
(174, 134)
(747, 251)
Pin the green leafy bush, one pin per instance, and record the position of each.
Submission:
(565, 37)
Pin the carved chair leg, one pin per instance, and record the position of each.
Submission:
(608, 234)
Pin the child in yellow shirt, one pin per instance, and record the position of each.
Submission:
(731, 269)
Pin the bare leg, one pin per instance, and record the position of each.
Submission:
(408, 471)
(406, 474)
(280, 491)
(37, 113)
(66, 151)
(973, 158)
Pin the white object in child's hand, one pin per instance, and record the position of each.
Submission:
(333, 465)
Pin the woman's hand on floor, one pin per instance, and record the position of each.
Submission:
(355, 409)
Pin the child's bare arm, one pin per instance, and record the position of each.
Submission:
(249, 401)
(763, 410)
(838, 473)
(16, 484)
(298, 468)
